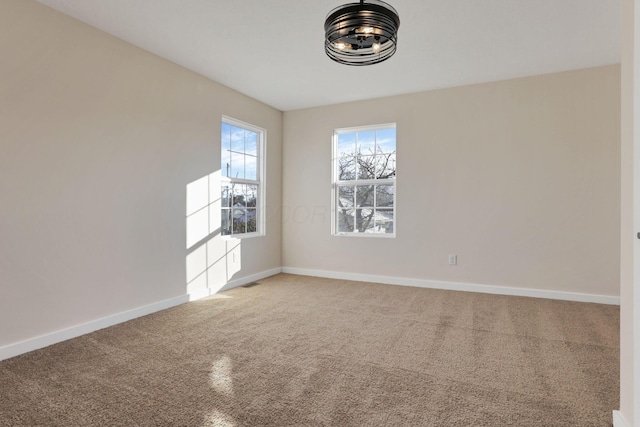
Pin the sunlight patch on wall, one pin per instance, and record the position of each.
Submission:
(212, 260)
(201, 200)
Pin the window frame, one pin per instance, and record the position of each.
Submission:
(260, 180)
(336, 183)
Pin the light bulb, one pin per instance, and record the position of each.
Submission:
(376, 47)
(366, 30)
(341, 46)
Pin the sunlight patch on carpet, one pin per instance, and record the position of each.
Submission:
(220, 376)
(218, 419)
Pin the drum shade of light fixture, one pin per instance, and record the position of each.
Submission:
(361, 33)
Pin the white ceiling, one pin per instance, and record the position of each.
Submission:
(272, 50)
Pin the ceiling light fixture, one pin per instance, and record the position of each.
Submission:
(361, 33)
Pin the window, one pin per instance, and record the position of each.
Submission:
(242, 178)
(364, 181)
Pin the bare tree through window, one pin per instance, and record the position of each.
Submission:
(365, 184)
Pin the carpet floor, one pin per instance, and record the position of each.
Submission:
(304, 351)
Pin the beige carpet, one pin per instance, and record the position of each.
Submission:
(301, 351)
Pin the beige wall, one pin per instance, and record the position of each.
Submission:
(520, 179)
(98, 142)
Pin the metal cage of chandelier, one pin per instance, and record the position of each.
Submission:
(361, 33)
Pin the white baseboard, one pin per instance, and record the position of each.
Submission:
(203, 293)
(454, 286)
(36, 343)
(41, 341)
(618, 420)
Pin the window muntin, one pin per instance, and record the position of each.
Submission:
(364, 184)
(242, 189)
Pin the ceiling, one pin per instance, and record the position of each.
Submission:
(273, 50)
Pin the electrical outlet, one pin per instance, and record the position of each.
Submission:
(453, 259)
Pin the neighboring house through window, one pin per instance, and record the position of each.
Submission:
(242, 178)
(364, 181)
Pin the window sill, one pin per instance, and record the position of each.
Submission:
(367, 235)
(242, 236)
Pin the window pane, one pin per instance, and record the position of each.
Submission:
(238, 195)
(226, 137)
(345, 220)
(346, 144)
(366, 142)
(251, 196)
(237, 165)
(251, 221)
(366, 167)
(346, 168)
(239, 211)
(364, 195)
(384, 196)
(386, 166)
(239, 221)
(251, 143)
(251, 167)
(386, 140)
(345, 196)
(237, 139)
(226, 197)
(226, 222)
(226, 162)
(384, 221)
(364, 219)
